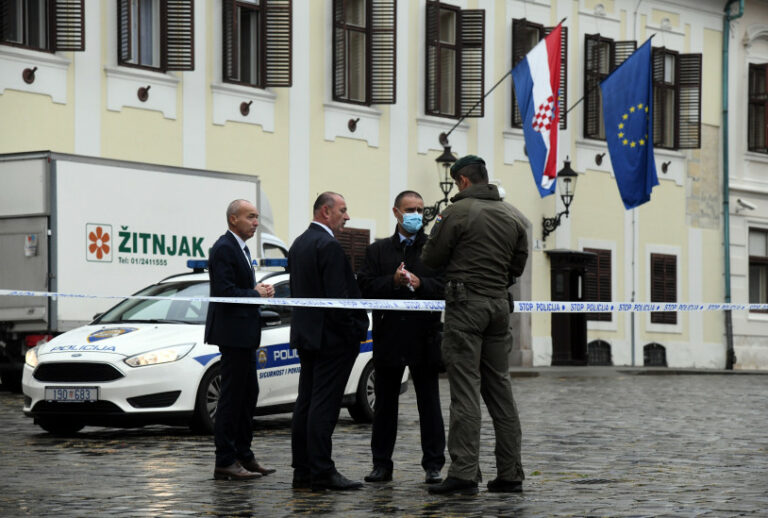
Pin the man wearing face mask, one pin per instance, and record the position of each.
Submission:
(393, 270)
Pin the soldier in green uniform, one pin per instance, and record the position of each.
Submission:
(483, 247)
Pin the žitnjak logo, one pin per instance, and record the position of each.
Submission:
(98, 242)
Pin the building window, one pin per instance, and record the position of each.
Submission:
(525, 36)
(676, 99)
(43, 24)
(758, 266)
(455, 57)
(654, 355)
(663, 286)
(257, 40)
(597, 281)
(601, 57)
(156, 34)
(757, 137)
(364, 57)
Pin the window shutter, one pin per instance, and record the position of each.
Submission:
(339, 51)
(659, 94)
(593, 51)
(125, 45)
(4, 19)
(519, 46)
(597, 281)
(69, 25)
(354, 242)
(178, 34)
(621, 51)
(563, 98)
(431, 70)
(663, 286)
(472, 59)
(277, 42)
(689, 101)
(228, 40)
(383, 38)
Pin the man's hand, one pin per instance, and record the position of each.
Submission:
(265, 290)
(405, 278)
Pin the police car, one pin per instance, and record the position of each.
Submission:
(144, 362)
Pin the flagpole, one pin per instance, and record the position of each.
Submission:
(444, 136)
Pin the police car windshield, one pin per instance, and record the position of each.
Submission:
(164, 311)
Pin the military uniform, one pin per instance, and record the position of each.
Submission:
(482, 245)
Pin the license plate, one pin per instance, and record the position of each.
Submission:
(72, 394)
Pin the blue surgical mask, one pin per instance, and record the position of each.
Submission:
(411, 222)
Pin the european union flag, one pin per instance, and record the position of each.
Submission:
(628, 118)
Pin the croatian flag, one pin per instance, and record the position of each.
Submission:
(537, 81)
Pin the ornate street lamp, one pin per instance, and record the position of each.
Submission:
(444, 163)
(566, 187)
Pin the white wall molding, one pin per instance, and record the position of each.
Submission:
(50, 76)
(337, 116)
(227, 98)
(123, 84)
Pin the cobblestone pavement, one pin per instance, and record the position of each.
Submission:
(613, 444)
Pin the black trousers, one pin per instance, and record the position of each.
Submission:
(324, 375)
(387, 389)
(234, 414)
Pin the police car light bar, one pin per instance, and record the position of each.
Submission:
(282, 263)
(197, 265)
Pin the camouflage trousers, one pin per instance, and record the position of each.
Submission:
(476, 345)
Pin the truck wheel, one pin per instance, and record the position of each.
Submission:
(207, 401)
(62, 426)
(365, 400)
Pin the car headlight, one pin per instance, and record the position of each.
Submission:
(31, 357)
(164, 355)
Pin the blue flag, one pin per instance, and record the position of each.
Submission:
(628, 118)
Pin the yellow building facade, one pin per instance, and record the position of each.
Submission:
(301, 139)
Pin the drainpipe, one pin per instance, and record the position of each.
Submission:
(730, 357)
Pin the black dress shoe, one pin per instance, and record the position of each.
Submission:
(433, 476)
(379, 474)
(234, 472)
(498, 485)
(254, 466)
(334, 482)
(455, 486)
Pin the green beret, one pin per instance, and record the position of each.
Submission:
(464, 161)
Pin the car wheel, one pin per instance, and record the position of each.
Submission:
(207, 401)
(60, 426)
(365, 400)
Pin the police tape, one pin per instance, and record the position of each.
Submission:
(421, 305)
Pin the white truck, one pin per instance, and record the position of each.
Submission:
(85, 225)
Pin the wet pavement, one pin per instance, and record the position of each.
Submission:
(605, 443)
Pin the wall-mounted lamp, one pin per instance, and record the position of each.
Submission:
(143, 93)
(28, 75)
(352, 124)
(245, 108)
(665, 166)
(566, 187)
(599, 158)
(444, 163)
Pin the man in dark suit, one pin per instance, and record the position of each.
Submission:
(393, 270)
(327, 340)
(236, 329)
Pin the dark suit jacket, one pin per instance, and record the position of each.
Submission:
(231, 325)
(411, 337)
(320, 269)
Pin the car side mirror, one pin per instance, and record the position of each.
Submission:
(269, 318)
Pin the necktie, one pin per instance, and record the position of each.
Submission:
(408, 242)
(248, 255)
